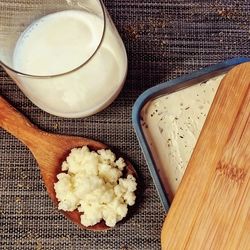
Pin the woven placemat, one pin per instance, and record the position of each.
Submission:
(164, 39)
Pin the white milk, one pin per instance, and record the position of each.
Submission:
(60, 43)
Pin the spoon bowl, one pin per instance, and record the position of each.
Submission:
(50, 150)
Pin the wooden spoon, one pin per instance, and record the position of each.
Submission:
(50, 151)
(211, 209)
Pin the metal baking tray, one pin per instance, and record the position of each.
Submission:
(149, 130)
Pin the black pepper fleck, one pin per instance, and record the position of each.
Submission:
(161, 130)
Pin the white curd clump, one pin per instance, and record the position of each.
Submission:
(94, 185)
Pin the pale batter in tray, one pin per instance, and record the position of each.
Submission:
(172, 124)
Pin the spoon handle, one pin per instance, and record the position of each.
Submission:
(16, 124)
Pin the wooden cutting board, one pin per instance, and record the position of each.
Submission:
(211, 209)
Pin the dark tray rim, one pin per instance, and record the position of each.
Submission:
(168, 87)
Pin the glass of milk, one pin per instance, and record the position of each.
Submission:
(65, 55)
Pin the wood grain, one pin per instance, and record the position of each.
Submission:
(49, 150)
(211, 209)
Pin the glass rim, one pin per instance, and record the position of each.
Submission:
(4, 65)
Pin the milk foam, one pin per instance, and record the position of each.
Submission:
(61, 42)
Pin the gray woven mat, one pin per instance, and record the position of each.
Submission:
(164, 39)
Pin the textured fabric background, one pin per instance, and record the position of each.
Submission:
(164, 39)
